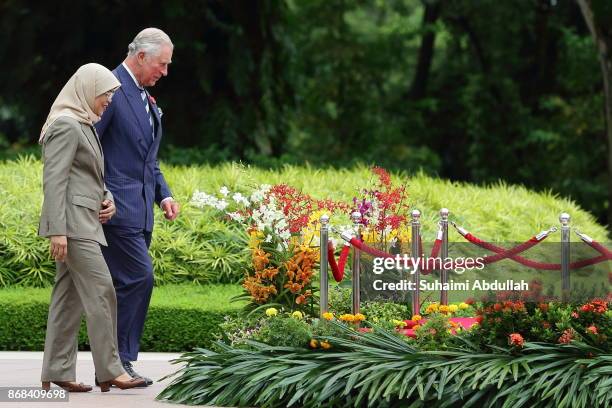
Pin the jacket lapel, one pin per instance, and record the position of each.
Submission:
(89, 133)
(132, 93)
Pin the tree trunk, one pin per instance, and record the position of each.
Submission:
(428, 39)
(603, 43)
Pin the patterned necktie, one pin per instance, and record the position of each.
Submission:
(145, 100)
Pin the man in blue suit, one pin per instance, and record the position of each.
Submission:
(130, 131)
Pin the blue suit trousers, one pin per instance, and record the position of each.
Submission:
(127, 257)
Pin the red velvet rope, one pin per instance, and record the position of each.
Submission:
(337, 268)
(507, 254)
(435, 250)
(601, 249)
(606, 254)
(500, 254)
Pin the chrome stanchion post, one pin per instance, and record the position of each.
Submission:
(416, 276)
(444, 254)
(356, 218)
(564, 218)
(324, 277)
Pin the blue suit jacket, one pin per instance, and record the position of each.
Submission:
(132, 172)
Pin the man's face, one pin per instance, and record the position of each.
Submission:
(153, 67)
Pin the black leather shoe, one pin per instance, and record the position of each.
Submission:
(127, 366)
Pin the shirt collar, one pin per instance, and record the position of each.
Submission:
(132, 75)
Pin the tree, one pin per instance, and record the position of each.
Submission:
(598, 17)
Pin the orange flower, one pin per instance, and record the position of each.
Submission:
(325, 345)
(260, 259)
(314, 343)
(293, 287)
(269, 273)
(516, 339)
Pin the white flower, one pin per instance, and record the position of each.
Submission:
(240, 199)
(268, 238)
(224, 190)
(220, 205)
(201, 199)
(235, 216)
(259, 194)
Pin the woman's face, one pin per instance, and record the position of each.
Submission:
(101, 102)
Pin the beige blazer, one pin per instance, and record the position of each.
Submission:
(73, 181)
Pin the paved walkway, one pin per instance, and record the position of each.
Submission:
(22, 369)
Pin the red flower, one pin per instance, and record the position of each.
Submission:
(575, 315)
(587, 308)
(599, 306)
(469, 301)
(479, 319)
(592, 329)
(516, 339)
(383, 176)
(543, 307)
(566, 337)
(546, 325)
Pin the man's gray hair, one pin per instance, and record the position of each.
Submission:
(149, 41)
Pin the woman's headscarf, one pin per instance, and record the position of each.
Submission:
(76, 99)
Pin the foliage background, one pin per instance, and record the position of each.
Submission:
(469, 91)
(200, 248)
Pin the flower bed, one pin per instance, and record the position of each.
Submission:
(290, 359)
(279, 353)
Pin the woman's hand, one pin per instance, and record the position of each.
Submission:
(107, 211)
(58, 247)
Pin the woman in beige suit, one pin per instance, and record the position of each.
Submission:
(75, 204)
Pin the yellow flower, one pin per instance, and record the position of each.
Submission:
(325, 345)
(328, 316)
(416, 318)
(463, 306)
(371, 236)
(443, 309)
(271, 312)
(432, 308)
(347, 317)
(313, 343)
(398, 323)
(359, 317)
(453, 308)
(416, 327)
(404, 234)
(255, 238)
(297, 315)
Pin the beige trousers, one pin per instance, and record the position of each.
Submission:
(82, 284)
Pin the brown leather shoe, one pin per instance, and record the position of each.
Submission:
(124, 385)
(67, 385)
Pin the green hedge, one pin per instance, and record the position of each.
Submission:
(197, 247)
(181, 317)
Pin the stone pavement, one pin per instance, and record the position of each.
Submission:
(22, 369)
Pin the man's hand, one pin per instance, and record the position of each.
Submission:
(58, 247)
(107, 211)
(171, 209)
